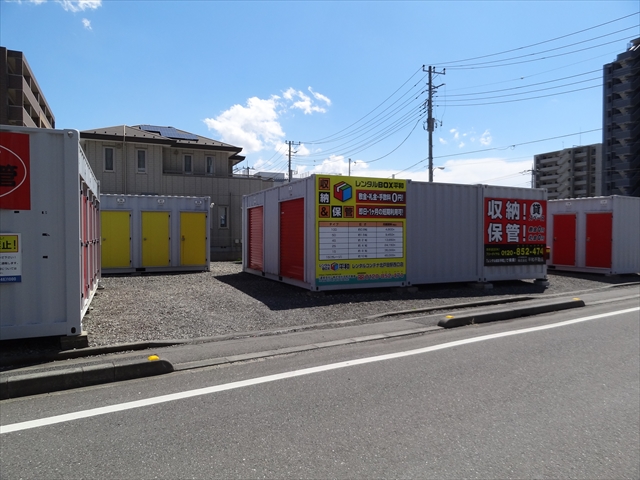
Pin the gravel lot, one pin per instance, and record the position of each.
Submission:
(225, 301)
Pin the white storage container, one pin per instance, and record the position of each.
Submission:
(49, 233)
(148, 233)
(331, 232)
(597, 234)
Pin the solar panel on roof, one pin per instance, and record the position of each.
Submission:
(169, 132)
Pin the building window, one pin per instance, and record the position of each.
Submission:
(188, 165)
(108, 159)
(142, 160)
(209, 165)
(223, 215)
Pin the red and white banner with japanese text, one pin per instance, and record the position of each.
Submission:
(514, 231)
(15, 180)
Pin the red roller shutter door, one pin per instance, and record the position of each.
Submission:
(564, 240)
(599, 238)
(292, 239)
(256, 238)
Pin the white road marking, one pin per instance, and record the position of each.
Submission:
(280, 376)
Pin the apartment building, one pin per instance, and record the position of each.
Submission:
(22, 102)
(158, 160)
(570, 173)
(621, 124)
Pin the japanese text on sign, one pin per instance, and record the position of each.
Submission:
(10, 258)
(361, 227)
(515, 231)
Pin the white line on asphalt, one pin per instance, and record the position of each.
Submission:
(280, 376)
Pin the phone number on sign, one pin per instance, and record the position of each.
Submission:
(522, 251)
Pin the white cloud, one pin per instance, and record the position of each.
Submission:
(256, 126)
(302, 150)
(471, 137)
(337, 165)
(71, 5)
(252, 127)
(79, 5)
(319, 96)
(489, 170)
(86, 23)
(486, 138)
(442, 141)
(304, 101)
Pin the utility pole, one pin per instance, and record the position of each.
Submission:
(291, 143)
(430, 122)
(349, 167)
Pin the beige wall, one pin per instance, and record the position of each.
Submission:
(223, 189)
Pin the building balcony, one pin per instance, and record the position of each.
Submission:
(548, 178)
(623, 72)
(621, 119)
(18, 115)
(622, 88)
(14, 82)
(621, 135)
(621, 103)
(547, 161)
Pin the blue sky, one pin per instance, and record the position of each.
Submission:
(341, 79)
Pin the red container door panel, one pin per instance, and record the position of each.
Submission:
(90, 241)
(599, 239)
(256, 238)
(83, 248)
(564, 240)
(292, 239)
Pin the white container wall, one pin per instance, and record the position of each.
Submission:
(332, 232)
(443, 233)
(597, 234)
(481, 233)
(49, 233)
(147, 233)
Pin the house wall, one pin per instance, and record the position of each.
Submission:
(165, 176)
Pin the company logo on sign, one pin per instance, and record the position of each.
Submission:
(536, 211)
(342, 191)
(15, 185)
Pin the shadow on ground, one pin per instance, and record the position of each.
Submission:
(282, 296)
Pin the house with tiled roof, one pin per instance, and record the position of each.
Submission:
(163, 160)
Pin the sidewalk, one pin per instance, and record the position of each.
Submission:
(101, 365)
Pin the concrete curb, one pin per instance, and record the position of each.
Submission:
(300, 348)
(479, 303)
(22, 385)
(453, 321)
(87, 352)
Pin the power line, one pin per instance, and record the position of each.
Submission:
(525, 86)
(522, 99)
(501, 148)
(538, 43)
(471, 67)
(549, 50)
(365, 116)
(599, 79)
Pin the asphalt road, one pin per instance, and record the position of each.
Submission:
(559, 400)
